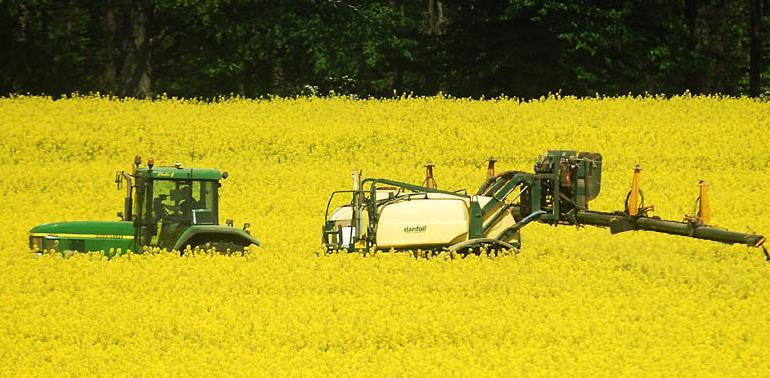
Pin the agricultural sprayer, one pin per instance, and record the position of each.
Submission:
(167, 207)
(388, 214)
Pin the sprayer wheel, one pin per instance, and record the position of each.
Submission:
(477, 246)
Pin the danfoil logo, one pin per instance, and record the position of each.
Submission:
(415, 229)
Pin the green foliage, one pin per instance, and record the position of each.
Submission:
(524, 48)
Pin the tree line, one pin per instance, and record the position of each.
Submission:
(523, 48)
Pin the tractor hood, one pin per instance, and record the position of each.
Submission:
(89, 228)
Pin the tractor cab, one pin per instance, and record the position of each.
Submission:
(174, 207)
(171, 199)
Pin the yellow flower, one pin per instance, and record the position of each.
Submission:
(572, 301)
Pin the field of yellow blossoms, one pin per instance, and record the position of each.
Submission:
(573, 301)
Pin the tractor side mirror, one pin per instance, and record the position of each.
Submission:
(246, 226)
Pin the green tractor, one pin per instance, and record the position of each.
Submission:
(165, 207)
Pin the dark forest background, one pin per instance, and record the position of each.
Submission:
(523, 48)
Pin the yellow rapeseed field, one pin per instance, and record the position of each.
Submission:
(574, 301)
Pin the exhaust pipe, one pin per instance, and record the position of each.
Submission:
(128, 202)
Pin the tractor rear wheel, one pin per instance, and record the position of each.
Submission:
(225, 247)
(479, 246)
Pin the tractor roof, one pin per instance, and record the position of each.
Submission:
(180, 173)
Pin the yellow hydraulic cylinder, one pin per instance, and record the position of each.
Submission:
(491, 167)
(430, 182)
(704, 210)
(633, 197)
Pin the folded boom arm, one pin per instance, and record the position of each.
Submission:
(565, 182)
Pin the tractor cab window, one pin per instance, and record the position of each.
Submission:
(192, 202)
(203, 206)
(178, 204)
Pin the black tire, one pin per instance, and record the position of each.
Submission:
(221, 246)
(476, 246)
